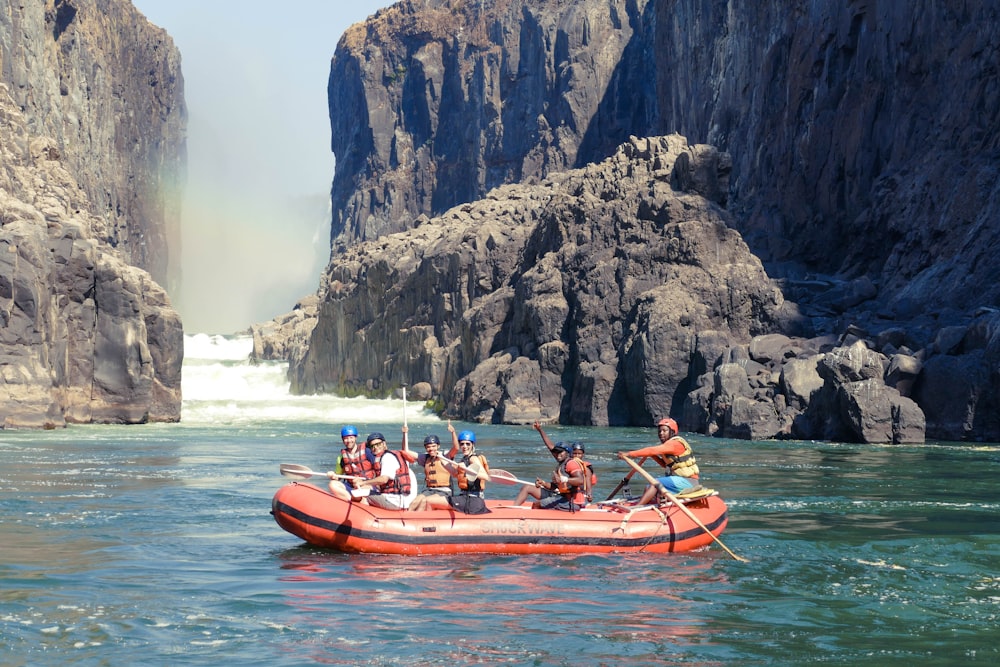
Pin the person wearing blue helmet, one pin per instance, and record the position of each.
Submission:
(472, 470)
(355, 460)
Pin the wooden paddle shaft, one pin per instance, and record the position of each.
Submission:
(662, 489)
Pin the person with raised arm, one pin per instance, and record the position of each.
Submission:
(565, 491)
(577, 451)
(438, 486)
(471, 470)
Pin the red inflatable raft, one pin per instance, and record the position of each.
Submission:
(319, 518)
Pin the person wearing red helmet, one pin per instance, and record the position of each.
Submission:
(675, 455)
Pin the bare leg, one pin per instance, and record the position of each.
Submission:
(648, 495)
(438, 503)
(339, 490)
(526, 491)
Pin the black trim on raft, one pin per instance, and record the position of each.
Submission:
(500, 538)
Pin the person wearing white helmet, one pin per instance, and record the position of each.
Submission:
(675, 455)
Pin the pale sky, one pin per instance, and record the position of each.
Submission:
(256, 219)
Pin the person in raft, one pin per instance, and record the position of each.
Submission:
(438, 486)
(565, 491)
(355, 461)
(675, 455)
(471, 476)
(577, 451)
(392, 487)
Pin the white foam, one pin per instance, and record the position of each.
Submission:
(222, 385)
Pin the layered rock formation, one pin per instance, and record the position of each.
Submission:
(864, 144)
(91, 150)
(436, 102)
(578, 299)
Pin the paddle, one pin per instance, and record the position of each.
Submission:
(297, 471)
(625, 480)
(504, 477)
(404, 405)
(662, 489)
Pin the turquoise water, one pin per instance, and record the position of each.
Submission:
(153, 545)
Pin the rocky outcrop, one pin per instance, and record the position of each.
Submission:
(578, 299)
(864, 144)
(864, 137)
(105, 85)
(868, 128)
(436, 102)
(91, 149)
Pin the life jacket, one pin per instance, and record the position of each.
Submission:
(401, 482)
(477, 486)
(436, 474)
(590, 479)
(361, 463)
(577, 494)
(682, 465)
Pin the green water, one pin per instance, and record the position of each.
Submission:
(153, 545)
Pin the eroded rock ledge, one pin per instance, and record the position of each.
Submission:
(615, 294)
(84, 337)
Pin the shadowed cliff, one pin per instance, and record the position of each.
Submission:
(863, 141)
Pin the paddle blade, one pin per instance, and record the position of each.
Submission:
(296, 471)
(504, 477)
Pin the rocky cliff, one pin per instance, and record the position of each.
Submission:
(863, 140)
(106, 85)
(577, 299)
(436, 102)
(91, 153)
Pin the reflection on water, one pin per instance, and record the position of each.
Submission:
(602, 602)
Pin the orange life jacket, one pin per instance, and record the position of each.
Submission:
(436, 474)
(477, 486)
(577, 494)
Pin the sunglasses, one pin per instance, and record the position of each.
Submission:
(376, 443)
(464, 443)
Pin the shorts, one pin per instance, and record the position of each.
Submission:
(556, 501)
(389, 501)
(676, 484)
(437, 491)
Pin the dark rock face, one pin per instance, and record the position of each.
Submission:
(864, 144)
(106, 86)
(84, 335)
(577, 299)
(434, 103)
(872, 129)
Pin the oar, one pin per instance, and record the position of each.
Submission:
(404, 405)
(297, 471)
(625, 480)
(504, 477)
(662, 489)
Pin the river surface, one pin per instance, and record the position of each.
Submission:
(154, 545)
